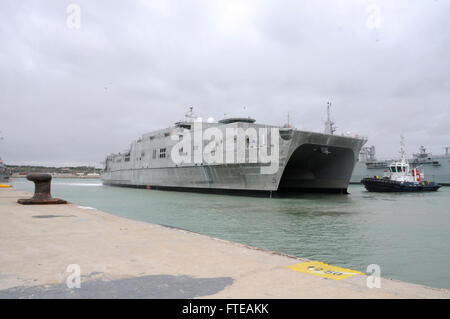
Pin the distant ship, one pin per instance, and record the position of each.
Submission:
(305, 161)
(5, 172)
(436, 168)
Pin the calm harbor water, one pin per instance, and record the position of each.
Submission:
(407, 235)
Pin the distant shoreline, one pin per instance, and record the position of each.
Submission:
(55, 176)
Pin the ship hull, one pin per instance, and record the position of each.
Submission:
(389, 186)
(308, 162)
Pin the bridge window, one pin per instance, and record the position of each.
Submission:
(162, 153)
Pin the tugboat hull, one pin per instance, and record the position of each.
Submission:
(387, 185)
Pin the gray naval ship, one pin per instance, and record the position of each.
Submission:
(286, 161)
(436, 168)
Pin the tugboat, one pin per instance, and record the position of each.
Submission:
(400, 178)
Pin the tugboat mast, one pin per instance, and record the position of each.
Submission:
(402, 149)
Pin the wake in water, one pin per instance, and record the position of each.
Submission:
(87, 207)
(78, 184)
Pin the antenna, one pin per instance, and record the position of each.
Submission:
(190, 113)
(288, 123)
(244, 112)
(447, 148)
(402, 147)
(329, 125)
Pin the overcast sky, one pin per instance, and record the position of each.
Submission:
(73, 90)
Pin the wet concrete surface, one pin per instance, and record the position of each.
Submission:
(124, 258)
(153, 287)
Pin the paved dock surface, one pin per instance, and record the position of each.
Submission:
(123, 258)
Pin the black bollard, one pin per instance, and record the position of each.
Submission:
(42, 195)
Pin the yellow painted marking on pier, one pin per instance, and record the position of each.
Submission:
(321, 269)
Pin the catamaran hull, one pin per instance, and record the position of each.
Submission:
(308, 162)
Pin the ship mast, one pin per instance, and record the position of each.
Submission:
(190, 114)
(329, 124)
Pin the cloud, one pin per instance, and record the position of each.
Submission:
(75, 95)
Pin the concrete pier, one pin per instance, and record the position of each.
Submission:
(122, 258)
